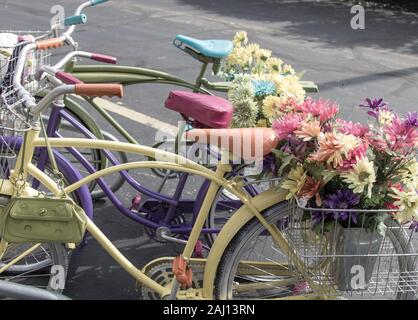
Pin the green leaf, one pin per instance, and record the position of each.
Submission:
(285, 160)
(315, 170)
(329, 175)
(381, 229)
(300, 74)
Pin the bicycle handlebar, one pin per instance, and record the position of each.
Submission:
(79, 11)
(90, 90)
(99, 89)
(50, 43)
(67, 78)
(96, 2)
(74, 20)
(94, 56)
(104, 58)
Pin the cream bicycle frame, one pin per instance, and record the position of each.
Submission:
(251, 206)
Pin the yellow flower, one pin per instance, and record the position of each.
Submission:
(361, 177)
(289, 86)
(294, 181)
(385, 117)
(240, 56)
(349, 142)
(240, 38)
(262, 123)
(407, 201)
(264, 54)
(287, 69)
(409, 173)
(253, 49)
(271, 106)
(274, 65)
(309, 130)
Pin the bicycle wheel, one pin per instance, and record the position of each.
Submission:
(115, 182)
(46, 267)
(93, 156)
(226, 204)
(34, 268)
(254, 267)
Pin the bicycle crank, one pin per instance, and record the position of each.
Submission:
(160, 270)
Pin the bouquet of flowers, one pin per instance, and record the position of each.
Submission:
(260, 82)
(331, 163)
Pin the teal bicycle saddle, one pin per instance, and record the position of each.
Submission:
(208, 48)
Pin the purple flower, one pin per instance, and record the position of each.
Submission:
(375, 106)
(269, 163)
(411, 119)
(295, 147)
(319, 216)
(414, 226)
(342, 199)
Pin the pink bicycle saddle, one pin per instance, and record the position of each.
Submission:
(210, 111)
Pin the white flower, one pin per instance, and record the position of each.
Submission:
(240, 38)
(407, 201)
(289, 86)
(361, 177)
(385, 117)
(409, 173)
(241, 89)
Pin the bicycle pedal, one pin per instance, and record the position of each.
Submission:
(140, 213)
(136, 201)
(198, 249)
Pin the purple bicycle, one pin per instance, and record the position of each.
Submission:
(165, 218)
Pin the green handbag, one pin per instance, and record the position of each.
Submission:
(42, 220)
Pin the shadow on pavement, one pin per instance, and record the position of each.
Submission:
(326, 21)
(371, 77)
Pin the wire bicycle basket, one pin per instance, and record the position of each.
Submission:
(14, 117)
(10, 41)
(347, 260)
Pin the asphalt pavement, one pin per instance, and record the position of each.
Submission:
(314, 36)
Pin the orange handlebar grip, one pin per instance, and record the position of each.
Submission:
(98, 90)
(50, 43)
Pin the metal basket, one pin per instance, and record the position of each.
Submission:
(14, 118)
(34, 60)
(339, 260)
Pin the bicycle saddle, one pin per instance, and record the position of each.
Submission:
(208, 48)
(247, 143)
(209, 111)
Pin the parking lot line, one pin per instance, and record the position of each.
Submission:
(136, 116)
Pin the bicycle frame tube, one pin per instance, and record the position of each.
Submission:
(33, 141)
(69, 172)
(174, 202)
(249, 209)
(129, 76)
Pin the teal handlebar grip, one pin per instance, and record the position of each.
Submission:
(96, 2)
(73, 20)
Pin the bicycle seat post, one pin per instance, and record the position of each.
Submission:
(202, 72)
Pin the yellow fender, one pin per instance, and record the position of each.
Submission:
(235, 223)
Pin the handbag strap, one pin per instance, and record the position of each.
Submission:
(58, 174)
